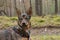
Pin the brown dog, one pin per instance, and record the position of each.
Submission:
(22, 31)
(24, 21)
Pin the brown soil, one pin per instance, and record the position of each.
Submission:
(45, 31)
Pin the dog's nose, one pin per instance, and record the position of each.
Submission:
(23, 23)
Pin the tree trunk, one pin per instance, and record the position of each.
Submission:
(40, 2)
(56, 6)
(38, 7)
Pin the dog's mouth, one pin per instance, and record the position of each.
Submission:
(23, 26)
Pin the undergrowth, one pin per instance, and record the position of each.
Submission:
(37, 21)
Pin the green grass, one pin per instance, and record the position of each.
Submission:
(7, 21)
(35, 21)
(46, 37)
(46, 21)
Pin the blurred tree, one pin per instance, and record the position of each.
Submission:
(56, 6)
(38, 6)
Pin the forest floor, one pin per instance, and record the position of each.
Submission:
(45, 34)
(39, 30)
(45, 31)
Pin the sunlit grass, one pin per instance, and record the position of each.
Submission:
(46, 37)
(35, 21)
(7, 21)
(46, 21)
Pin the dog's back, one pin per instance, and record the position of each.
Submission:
(9, 34)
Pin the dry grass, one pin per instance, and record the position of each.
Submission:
(46, 37)
(7, 21)
(35, 21)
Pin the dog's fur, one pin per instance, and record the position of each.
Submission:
(9, 34)
(16, 33)
(29, 12)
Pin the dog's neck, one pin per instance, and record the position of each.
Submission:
(21, 32)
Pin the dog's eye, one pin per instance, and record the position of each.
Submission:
(26, 18)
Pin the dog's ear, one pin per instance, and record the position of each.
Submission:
(29, 11)
(18, 12)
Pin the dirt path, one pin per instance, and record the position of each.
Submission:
(44, 31)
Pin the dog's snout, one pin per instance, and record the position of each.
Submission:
(23, 23)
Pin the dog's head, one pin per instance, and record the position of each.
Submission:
(24, 18)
